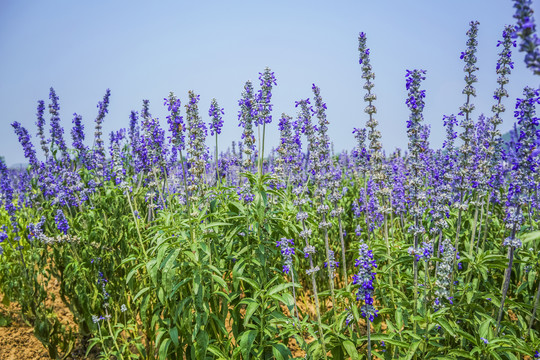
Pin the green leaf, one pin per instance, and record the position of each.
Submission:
(412, 349)
(202, 344)
(461, 353)
(246, 343)
(173, 333)
(399, 319)
(164, 348)
(141, 292)
(279, 288)
(280, 351)
(216, 351)
(350, 349)
(445, 325)
(252, 307)
(220, 281)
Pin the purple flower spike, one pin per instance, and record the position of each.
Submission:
(287, 251)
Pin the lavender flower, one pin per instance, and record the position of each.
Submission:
(264, 107)
(176, 126)
(467, 123)
(61, 222)
(287, 251)
(133, 131)
(415, 102)
(118, 170)
(444, 273)
(197, 150)
(360, 153)
(423, 253)
(57, 132)
(41, 127)
(364, 280)
(215, 113)
(285, 149)
(35, 231)
(526, 30)
(77, 135)
(24, 140)
(99, 151)
(246, 117)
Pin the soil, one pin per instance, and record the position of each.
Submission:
(17, 340)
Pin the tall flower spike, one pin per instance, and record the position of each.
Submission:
(77, 135)
(526, 30)
(503, 68)
(40, 123)
(467, 123)
(284, 149)
(444, 274)
(117, 166)
(415, 128)
(61, 222)
(264, 95)
(99, 151)
(197, 150)
(364, 280)
(374, 135)
(57, 131)
(24, 140)
(321, 156)
(246, 117)
(287, 251)
(216, 124)
(215, 113)
(176, 125)
(305, 123)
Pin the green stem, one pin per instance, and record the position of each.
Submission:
(136, 225)
(471, 245)
(368, 338)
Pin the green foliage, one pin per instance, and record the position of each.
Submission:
(204, 281)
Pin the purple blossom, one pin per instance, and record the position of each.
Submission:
(40, 123)
(77, 135)
(24, 140)
(287, 251)
(57, 131)
(364, 280)
(215, 113)
(61, 222)
(526, 30)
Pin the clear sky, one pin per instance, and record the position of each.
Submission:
(145, 49)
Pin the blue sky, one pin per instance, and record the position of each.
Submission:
(145, 49)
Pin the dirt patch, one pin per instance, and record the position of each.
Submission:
(17, 340)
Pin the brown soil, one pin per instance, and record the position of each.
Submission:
(17, 340)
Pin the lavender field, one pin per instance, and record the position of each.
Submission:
(163, 247)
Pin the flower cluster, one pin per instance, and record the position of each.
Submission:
(444, 274)
(246, 117)
(24, 140)
(526, 30)
(197, 150)
(77, 135)
(364, 280)
(264, 95)
(287, 251)
(423, 253)
(61, 222)
(99, 152)
(215, 113)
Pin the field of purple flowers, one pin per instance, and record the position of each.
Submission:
(164, 249)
